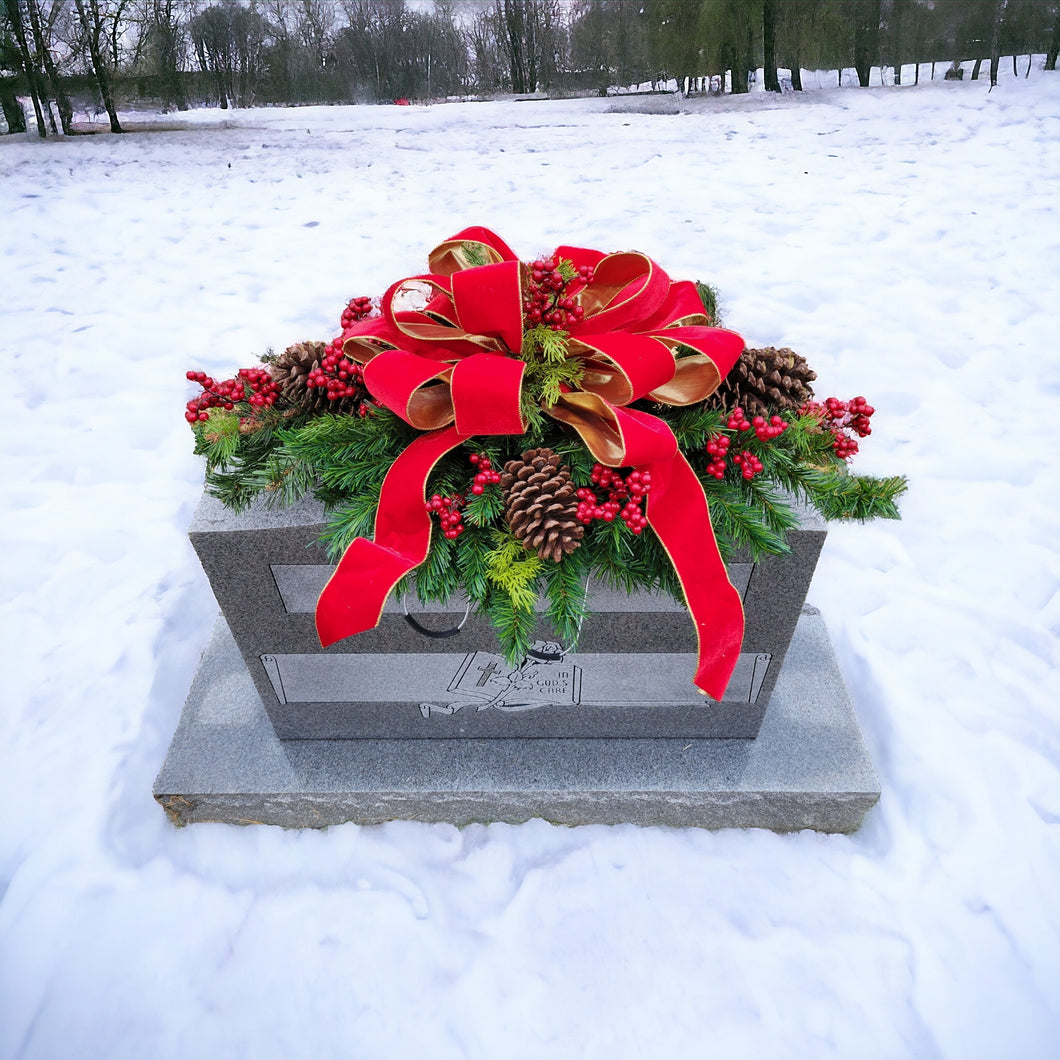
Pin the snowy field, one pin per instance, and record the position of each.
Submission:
(905, 240)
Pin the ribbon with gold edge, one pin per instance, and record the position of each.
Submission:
(446, 366)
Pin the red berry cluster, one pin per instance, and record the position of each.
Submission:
(765, 430)
(737, 421)
(842, 417)
(448, 508)
(718, 448)
(340, 377)
(252, 385)
(549, 300)
(486, 475)
(356, 309)
(448, 511)
(749, 464)
(632, 489)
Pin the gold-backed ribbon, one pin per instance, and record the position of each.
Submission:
(444, 356)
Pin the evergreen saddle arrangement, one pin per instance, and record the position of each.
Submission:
(509, 429)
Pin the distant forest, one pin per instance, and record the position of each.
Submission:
(176, 54)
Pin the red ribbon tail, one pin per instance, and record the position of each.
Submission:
(353, 599)
(678, 513)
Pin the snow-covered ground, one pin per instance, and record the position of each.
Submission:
(905, 240)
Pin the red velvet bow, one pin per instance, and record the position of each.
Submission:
(444, 357)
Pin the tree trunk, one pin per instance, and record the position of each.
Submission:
(898, 16)
(866, 39)
(740, 71)
(167, 29)
(36, 89)
(94, 29)
(749, 52)
(66, 111)
(975, 69)
(995, 41)
(769, 36)
(14, 115)
(1050, 58)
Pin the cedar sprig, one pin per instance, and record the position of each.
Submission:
(513, 570)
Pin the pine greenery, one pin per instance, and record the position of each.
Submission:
(341, 460)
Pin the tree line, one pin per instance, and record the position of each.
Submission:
(180, 53)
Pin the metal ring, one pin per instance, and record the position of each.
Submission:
(436, 634)
(542, 656)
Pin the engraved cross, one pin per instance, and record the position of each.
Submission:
(487, 673)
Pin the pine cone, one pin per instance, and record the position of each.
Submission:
(541, 504)
(767, 380)
(291, 370)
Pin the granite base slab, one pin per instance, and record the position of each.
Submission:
(807, 768)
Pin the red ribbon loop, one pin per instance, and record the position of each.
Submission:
(353, 599)
(445, 358)
(486, 390)
(488, 302)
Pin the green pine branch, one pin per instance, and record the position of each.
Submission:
(485, 508)
(438, 577)
(473, 549)
(565, 594)
(354, 518)
(708, 295)
(840, 496)
(515, 628)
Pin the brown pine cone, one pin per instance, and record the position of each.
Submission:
(541, 504)
(766, 380)
(291, 370)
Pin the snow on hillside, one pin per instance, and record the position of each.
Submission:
(905, 240)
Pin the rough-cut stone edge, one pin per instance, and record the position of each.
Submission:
(808, 767)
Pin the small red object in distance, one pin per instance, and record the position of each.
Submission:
(402, 102)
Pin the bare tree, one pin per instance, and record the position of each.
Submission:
(898, 27)
(530, 36)
(164, 47)
(995, 39)
(42, 24)
(37, 89)
(10, 64)
(485, 53)
(727, 36)
(866, 17)
(1054, 41)
(99, 24)
(229, 41)
(769, 45)
(609, 43)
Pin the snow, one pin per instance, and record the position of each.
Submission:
(905, 240)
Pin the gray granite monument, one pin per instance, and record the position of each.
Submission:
(423, 718)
